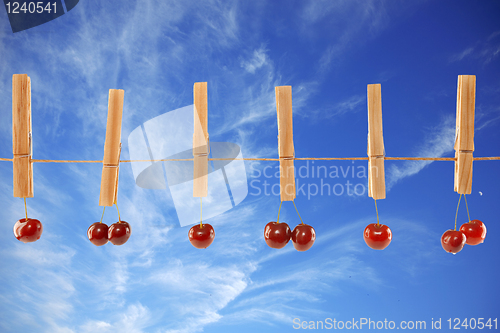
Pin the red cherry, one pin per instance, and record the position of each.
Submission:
(201, 236)
(475, 231)
(453, 241)
(98, 233)
(28, 231)
(277, 235)
(119, 233)
(377, 236)
(303, 237)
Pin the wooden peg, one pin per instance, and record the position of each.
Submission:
(376, 151)
(200, 140)
(21, 136)
(112, 149)
(464, 141)
(285, 142)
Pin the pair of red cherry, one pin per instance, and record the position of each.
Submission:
(28, 230)
(118, 233)
(277, 235)
(377, 236)
(470, 233)
(201, 235)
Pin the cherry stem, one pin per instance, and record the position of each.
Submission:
(297, 212)
(278, 221)
(26, 209)
(201, 212)
(103, 213)
(467, 206)
(456, 214)
(376, 209)
(119, 219)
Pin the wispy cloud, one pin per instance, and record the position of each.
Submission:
(98, 57)
(360, 21)
(244, 289)
(216, 287)
(136, 318)
(439, 142)
(461, 55)
(157, 281)
(484, 50)
(257, 60)
(46, 293)
(488, 122)
(355, 103)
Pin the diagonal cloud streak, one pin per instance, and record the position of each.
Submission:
(438, 143)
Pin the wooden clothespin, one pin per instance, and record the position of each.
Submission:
(464, 141)
(285, 142)
(21, 136)
(112, 149)
(376, 151)
(200, 140)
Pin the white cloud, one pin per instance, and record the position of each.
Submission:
(153, 47)
(47, 288)
(245, 290)
(266, 316)
(461, 55)
(209, 290)
(483, 50)
(354, 103)
(139, 43)
(255, 102)
(438, 143)
(487, 123)
(92, 326)
(272, 298)
(351, 104)
(360, 21)
(134, 319)
(45, 256)
(258, 60)
(493, 35)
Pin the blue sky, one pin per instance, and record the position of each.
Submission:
(328, 51)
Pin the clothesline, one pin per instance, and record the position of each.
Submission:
(268, 159)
